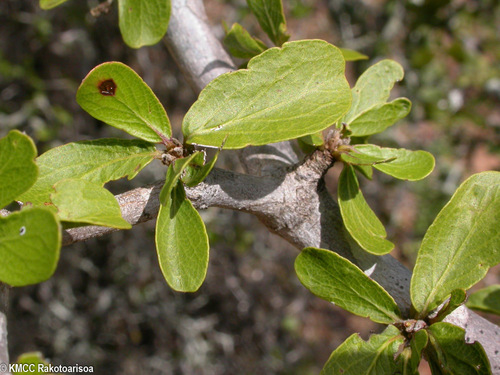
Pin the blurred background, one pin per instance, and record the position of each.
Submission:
(108, 305)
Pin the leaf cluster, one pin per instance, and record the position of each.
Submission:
(457, 251)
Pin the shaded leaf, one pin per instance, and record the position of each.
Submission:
(49, 4)
(351, 55)
(285, 93)
(309, 143)
(270, 15)
(447, 352)
(373, 87)
(359, 219)
(194, 174)
(143, 23)
(337, 280)
(373, 357)
(412, 355)
(486, 299)
(174, 173)
(461, 245)
(405, 164)
(18, 171)
(29, 246)
(80, 201)
(457, 298)
(379, 117)
(113, 93)
(99, 161)
(365, 170)
(181, 243)
(241, 44)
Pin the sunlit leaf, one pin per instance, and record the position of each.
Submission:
(18, 171)
(461, 245)
(351, 55)
(373, 87)
(33, 358)
(143, 23)
(375, 356)
(99, 161)
(400, 163)
(359, 219)
(181, 243)
(80, 201)
(335, 279)
(356, 156)
(113, 93)
(30, 241)
(285, 93)
(379, 117)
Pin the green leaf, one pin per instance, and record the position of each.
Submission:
(337, 280)
(30, 241)
(373, 357)
(181, 243)
(365, 170)
(487, 300)
(33, 358)
(315, 139)
(373, 87)
(174, 173)
(379, 117)
(447, 352)
(413, 354)
(270, 15)
(18, 170)
(143, 23)
(311, 142)
(49, 4)
(461, 245)
(115, 94)
(351, 55)
(356, 156)
(241, 44)
(406, 164)
(99, 161)
(457, 298)
(80, 201)
(285, 93)
(194, 174)
(359, 219)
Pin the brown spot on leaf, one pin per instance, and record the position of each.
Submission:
(137, 168)
(107, 87)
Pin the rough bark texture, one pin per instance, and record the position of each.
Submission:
(4, 350)
(286, 194)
